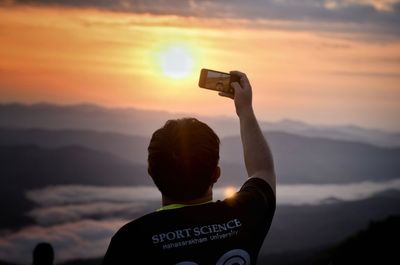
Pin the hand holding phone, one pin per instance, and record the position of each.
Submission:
(244, 93)
(218, 81)
(227, 84)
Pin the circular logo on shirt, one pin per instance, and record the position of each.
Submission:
(235, 257)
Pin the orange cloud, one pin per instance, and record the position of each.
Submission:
(86, 55)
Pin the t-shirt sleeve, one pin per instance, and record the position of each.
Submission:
(113, 252)
(119, 250)
(257, 198)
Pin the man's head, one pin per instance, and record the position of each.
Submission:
(43, 254)
(183, 159)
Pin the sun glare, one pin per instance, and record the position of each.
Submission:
(229, 192)
(176, 61)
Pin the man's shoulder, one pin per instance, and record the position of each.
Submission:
(256, 190)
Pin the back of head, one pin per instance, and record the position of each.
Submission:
(43, 254)
(183, 156)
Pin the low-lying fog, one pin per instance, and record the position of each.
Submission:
(80, 220)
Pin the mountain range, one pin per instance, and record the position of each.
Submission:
(144, 122)
(298, 159)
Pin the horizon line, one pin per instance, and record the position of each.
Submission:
(227, 117)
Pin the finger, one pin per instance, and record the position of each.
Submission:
(244, 81)
(236, 86)
(238, 73)
(241, 75)
(227, 95)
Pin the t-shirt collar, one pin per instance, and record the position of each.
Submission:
(178, 205)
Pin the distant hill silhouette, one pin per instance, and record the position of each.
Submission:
(144, 122)
(130, 147)
(378, 244)
(30, 167)
(305, 227)
(83, 116)
(298, 159)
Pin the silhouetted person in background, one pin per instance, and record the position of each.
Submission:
(190, 228)
(43, 254)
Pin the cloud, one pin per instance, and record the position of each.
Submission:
(83, 239)
(380, 5)
(47, 216)
(77, 194)
(363, 15)
(86, 201)
(204, 7)
(78, 221)
(69, 203)
(317, 194)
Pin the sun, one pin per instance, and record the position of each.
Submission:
(229, 192)
(176, 61)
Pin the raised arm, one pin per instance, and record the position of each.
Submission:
(257, 154)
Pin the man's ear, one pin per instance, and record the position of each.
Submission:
(216, 175)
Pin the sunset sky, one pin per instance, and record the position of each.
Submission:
(319, 61)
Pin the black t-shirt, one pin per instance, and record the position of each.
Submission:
(223, 232)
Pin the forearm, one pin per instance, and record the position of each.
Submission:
(257, 154)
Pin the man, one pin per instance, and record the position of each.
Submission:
(43, 254)
(191, 229)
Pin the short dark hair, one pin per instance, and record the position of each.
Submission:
(182, 158)
(43, 254)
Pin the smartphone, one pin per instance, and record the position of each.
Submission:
(218, 81)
